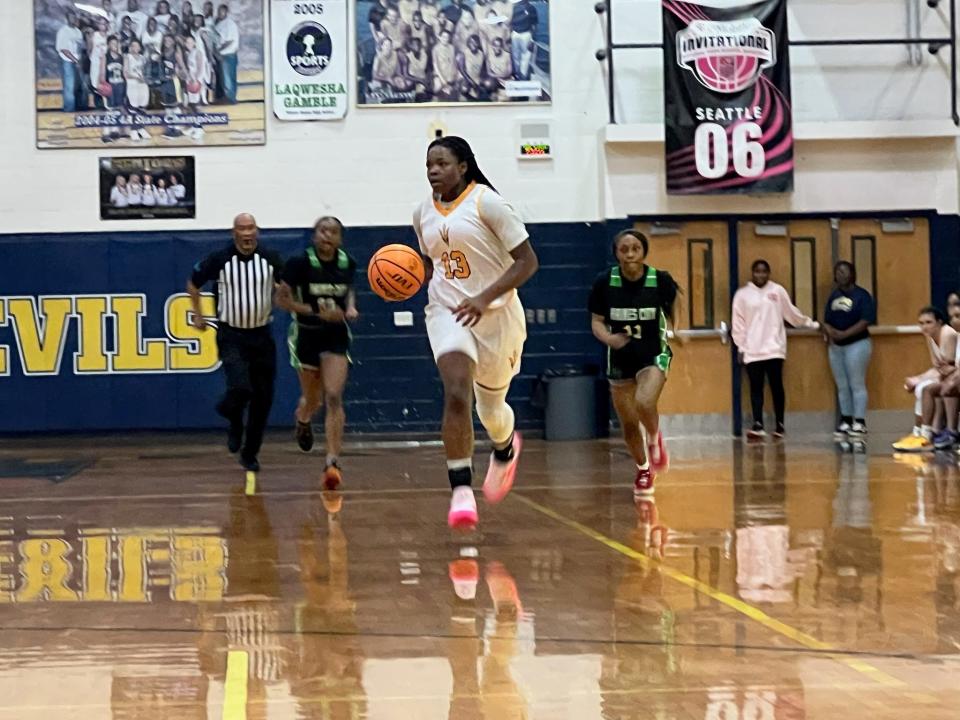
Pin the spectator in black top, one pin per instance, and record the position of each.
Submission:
(317, 285)
(850, 312)
(245, 276)
(523, 48)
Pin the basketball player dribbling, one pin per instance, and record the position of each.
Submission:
(477, 253)
(630, 304)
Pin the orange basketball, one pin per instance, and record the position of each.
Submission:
(395, 272)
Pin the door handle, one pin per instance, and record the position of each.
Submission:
(722, 332)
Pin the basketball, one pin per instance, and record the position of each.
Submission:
(105, 89)
(193, 87)
(395, 272)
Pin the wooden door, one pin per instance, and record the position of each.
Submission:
(893, 264)
(696, 255)
(800, 257)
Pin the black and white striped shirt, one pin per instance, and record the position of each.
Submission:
(244, 284)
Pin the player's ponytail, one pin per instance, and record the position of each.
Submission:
(463, 153)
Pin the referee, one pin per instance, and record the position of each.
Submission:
(245, 276)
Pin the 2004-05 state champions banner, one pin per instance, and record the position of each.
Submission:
(309, 59)
(727, 97)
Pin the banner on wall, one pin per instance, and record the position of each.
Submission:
(452, 51)
(727, 97)
(147, 188)
(309, 59)
(136, 73)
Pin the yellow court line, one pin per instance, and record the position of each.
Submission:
(235, 686)
(755, 614)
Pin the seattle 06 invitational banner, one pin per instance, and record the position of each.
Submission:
(727, 97)
(142, 73)
(309, 59)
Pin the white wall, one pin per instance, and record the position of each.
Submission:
(372, 162)
(845, 88)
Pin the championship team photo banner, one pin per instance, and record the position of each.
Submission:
(142, 73)
(413, 52)
(728, 112)
(309, 59)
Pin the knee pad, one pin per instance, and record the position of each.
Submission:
(494, 413)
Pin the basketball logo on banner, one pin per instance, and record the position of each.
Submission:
(309, 48)
(727, 97)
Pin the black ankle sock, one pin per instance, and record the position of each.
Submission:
(505, 455)
(862, 421)
(461, 477)
(846, 419)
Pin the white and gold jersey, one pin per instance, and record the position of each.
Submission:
(469, 242)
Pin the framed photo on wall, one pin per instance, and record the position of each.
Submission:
(147, 188)
(452, 51)
(142, 73)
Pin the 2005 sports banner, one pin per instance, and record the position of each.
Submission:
(727, 97)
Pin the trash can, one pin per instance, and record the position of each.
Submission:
(574, 403)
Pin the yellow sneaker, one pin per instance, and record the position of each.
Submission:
(913, 443)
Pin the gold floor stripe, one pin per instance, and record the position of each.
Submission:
(755, 614)
(235, 687)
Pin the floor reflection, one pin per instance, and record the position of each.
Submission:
(362, 605)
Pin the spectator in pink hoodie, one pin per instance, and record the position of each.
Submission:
(760, 309)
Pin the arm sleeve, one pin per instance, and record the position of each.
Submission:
(792, 314)
(869, 309)
(352, 272)
(276, 263)
(291, 273)
(500, 216)
(738, 322)
(597, 303)
(205, 270)
(667, 288)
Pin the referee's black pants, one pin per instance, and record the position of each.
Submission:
(249, 359)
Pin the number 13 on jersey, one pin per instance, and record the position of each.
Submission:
(455, 265)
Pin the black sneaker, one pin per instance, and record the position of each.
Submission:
(780, 432)
(304, 435)
(235, 436)
(251, 464)
(756, 432)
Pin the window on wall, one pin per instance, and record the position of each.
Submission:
(700, 272)
(865, 260)
(804, 274)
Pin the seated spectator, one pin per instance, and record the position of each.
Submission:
(942, 343)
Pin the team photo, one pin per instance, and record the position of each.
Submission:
(149, 72)
(147, 188)
(452, 51)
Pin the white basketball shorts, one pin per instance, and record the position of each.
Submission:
(495, 344)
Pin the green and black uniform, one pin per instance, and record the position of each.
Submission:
(640, 309)
(319, 284)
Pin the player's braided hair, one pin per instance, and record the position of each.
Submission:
(463, 153)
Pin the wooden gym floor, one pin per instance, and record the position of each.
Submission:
(773, 582)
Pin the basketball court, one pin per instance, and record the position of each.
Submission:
(142, 581)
